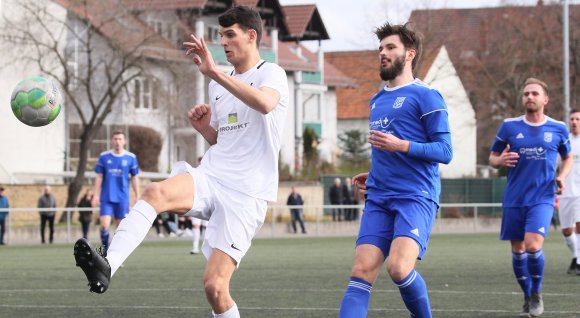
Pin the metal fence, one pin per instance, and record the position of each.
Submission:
(452, 217)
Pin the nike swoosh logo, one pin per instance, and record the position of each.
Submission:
(235, 247)
(218, 97)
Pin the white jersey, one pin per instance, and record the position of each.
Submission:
(245, 157)
(572, 186)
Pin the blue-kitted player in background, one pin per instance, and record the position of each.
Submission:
(115, 169)
(528, 146)
(410, 136)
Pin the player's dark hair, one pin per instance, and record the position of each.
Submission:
(532, 80)
(118, 132)
(246, 17)
(574, 110)
(410, 38)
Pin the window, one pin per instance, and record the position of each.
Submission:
(212, 34)
(145, 93)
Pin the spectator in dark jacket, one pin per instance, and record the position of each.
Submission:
(336, 196)
(296, 213)
(47, 200)
(85, 217)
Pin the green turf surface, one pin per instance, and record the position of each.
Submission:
(467, 276)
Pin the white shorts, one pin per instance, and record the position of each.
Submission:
(569, 211)
(234, 217)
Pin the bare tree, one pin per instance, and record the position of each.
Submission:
(93, 51)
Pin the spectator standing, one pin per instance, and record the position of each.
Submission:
(348, 199)
(85, 217)
(296, 214)
(3, 215)
(47, 201)
(336, 195)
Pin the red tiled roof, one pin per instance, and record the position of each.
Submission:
(300, 18)
(163, 4)
(178, 4)
(363, 67)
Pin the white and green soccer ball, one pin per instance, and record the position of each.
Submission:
(36, 101)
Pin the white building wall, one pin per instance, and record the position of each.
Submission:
(26, 149)
(443, 76)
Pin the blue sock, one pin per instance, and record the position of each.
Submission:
(520, 265)
(105, 239)
(536, 269)
(414, 293)
(355, 302)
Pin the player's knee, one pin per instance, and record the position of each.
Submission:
(215, 288)
(364, 271)
(153, 193)
(398, 270)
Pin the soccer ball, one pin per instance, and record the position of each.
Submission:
(36, 101)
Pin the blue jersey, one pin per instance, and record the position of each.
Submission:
(116, 170)
(532, 180)
(413, 112)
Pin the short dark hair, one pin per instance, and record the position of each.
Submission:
(1, 188)
(118, 132)
(574, 110)
(410, 38)
(533, 80)
(246, 17)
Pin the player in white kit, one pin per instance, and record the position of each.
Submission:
(569, 201)
(238, 175)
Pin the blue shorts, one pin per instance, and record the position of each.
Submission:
(516, 222)
(118, 209)
(386, 218)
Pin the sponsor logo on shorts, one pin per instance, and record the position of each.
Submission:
(415, 231)
(235, 247)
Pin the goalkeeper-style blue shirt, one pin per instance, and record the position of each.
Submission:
(417, 113)
(116, 170)
(532, 180)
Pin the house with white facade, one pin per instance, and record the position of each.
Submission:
(169, 84)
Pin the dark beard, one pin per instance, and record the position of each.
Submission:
(390, 73)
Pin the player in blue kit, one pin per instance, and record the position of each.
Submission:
(410, 136)
(115, 169)
(528, 146)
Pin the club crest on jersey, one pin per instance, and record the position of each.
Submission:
(124, 162)
(398, 102)
(232, 118)
(548, 137)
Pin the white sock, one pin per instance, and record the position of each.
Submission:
(577, 252)
(196, 235)
(571, 243)
(130, 233)
(230, 313)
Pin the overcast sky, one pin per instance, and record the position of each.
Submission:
(350, 26)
